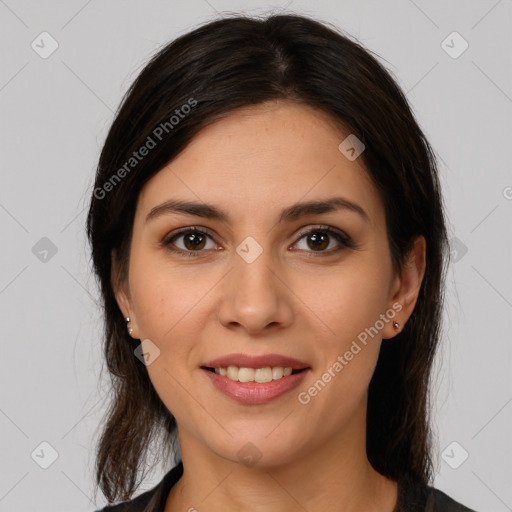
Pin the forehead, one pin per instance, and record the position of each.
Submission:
(263, 157)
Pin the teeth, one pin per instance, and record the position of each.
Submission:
(277, 372)
(232, 373)
(260, 375)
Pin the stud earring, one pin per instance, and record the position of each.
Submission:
(127, 320)
(396, 325)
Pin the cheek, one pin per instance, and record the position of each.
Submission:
(345, 299)
(169, 304)
(347, 349)
(348, 303)
(166, 296)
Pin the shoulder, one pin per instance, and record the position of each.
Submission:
(137, 504)
(152, 500)
(415, 496)
(438, 501)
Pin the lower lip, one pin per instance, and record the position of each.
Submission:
(252, 393)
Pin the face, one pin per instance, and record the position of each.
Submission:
(264, 280)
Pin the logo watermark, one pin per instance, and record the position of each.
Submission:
(304, 397)
(150, 143)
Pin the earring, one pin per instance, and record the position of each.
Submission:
(127, 320)
(396, 325)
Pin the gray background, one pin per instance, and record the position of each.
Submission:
(55, 115)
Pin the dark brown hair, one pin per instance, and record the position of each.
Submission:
(239, 61)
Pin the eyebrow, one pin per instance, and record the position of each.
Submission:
(288, 214)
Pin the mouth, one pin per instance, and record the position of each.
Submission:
(262, 369)
(253, 380)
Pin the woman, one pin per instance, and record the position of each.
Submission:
(267, 229)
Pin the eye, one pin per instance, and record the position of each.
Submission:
(319, 238)
(193, 240)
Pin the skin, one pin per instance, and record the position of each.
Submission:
(306, 303)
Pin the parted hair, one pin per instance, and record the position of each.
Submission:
(220, 66)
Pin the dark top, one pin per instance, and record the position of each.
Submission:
(411, 497)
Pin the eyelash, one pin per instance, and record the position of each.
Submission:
(342, 238)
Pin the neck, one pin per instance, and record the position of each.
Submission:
(324, 477)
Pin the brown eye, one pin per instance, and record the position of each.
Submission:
(320, 238)
(192, 241)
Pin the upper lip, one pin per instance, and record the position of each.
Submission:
(247, 361)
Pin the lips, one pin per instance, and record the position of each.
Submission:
(247, 361)
(253, 393)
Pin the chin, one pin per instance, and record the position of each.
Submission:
(259, 449)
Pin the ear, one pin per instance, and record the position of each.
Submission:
(406, 287)
(122, 293)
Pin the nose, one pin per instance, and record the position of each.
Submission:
(255, 296)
